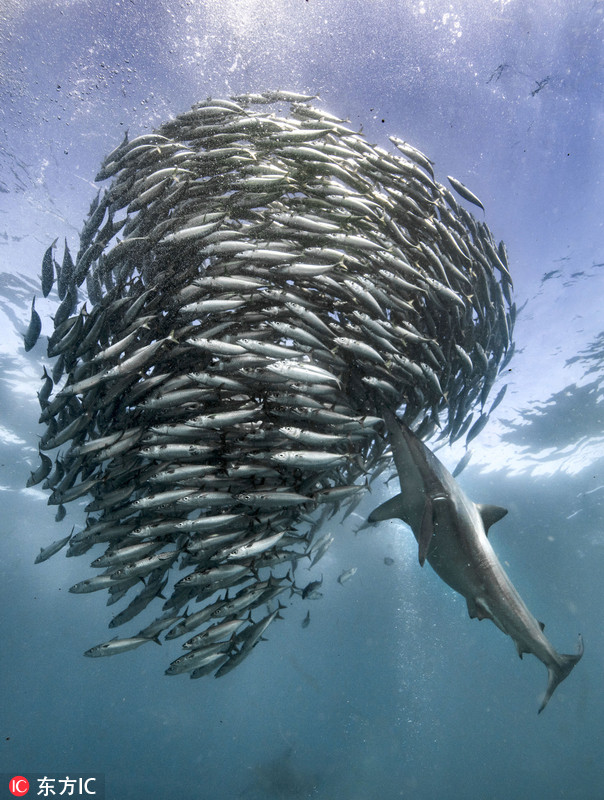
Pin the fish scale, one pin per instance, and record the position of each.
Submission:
(212, 334)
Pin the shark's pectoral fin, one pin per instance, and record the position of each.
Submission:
(490, 514)
(437, 511)
(426, 531)
(395, 508)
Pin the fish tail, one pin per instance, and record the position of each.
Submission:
(559, 671)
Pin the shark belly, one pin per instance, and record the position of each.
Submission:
(451, 531)
(463, 557)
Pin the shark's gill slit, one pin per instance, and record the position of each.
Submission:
(262, 294)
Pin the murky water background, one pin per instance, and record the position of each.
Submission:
(391, 691)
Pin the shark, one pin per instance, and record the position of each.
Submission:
(452, 535)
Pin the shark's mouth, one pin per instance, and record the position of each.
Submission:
(257, 286)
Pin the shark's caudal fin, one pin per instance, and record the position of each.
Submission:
(557, 674)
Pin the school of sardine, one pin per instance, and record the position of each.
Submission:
(256, 287)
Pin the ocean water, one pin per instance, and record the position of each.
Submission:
(391, 691)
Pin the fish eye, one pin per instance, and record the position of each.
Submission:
(256, 261)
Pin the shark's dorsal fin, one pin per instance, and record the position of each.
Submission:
(490, 514)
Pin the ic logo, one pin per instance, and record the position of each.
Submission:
(18, 786)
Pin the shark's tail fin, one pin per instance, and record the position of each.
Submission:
(556, 674)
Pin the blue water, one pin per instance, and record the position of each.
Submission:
(391, 691)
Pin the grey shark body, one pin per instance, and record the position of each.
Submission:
(451, 531)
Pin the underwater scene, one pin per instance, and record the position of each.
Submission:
(302, 378)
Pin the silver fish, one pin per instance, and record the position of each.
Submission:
(249, 291)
